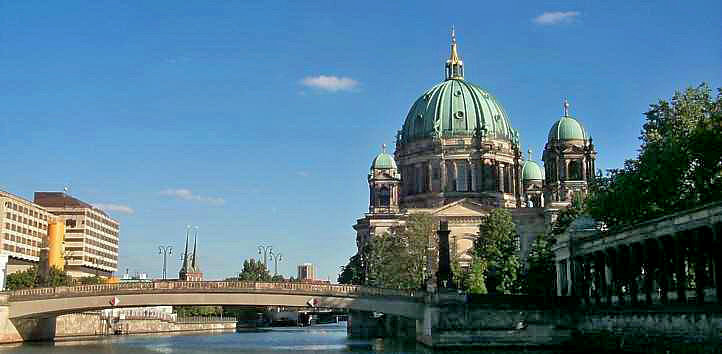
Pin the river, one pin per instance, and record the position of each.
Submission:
(316, 339)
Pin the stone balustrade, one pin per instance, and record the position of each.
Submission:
(211, 286)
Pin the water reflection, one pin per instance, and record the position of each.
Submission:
(317, 339)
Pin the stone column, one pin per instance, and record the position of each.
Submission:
(569, 273)
(716, 253)
(500, 168)
(608, 275)
(443, 183)
(472, 186)
(482, 182)
(600, 270)
(558, 267)
(583, 166)
(700, 276)
(679, 265)
(665, 271)
(430, 176)
(648, 263)
(587, 283)
(619, 276)
(632, 272)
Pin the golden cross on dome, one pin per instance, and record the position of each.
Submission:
(383, 148)
(566, 107)
(529, 152)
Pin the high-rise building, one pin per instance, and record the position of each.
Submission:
(24, 230)
(306, 271)
(91, 236)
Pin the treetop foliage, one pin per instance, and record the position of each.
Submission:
(679, 164)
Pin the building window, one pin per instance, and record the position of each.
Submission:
(462, 179)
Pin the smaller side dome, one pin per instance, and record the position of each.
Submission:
(567, 128)
(531, 171)
(383, 161)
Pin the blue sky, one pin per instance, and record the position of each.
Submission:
(257, 121)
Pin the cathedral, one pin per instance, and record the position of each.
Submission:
(457, 157)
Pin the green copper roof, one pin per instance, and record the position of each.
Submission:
(456, 108)
(531, 171)
(567, 128)
(383, 161)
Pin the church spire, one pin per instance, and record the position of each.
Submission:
(184, 267)
(454, 66)
(194, 264)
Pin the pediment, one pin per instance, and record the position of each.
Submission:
(463, 207)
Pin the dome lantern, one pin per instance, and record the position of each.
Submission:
(454, 66)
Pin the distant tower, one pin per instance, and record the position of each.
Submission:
(569, 162)
(190, 270)
(532, 179)
(384, 184)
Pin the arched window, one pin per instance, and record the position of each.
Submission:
(461, 180)
(575, 170)
(384, 197)
(450, 177)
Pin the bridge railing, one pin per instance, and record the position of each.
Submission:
(214, 286)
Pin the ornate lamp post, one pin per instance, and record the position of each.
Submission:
(264, 250)
(277, 257)
(165, 251)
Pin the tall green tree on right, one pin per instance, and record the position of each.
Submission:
(679, 164)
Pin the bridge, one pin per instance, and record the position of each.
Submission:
(45, 302)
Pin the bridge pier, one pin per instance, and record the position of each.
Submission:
(21, 330)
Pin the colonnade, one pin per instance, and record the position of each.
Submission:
(677, 268)
(462, 175)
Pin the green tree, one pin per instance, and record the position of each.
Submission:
(498, 247)
(21, 280)
(679, 164)
(540, 274)
(352, 273)
(475, 281)
(400, 258)
(254, 271)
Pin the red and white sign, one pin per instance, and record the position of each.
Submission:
(114, 301)
(312, 302)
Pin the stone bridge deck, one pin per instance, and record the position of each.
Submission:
(41, 302)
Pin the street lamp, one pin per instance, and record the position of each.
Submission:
(264, 251)
(165, 251)
(276, 258)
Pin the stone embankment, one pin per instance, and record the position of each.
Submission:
(87, 324)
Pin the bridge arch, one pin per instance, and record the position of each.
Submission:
(46, 302)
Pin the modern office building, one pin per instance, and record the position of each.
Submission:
(91, 236)
(24, 230)
(306, 271)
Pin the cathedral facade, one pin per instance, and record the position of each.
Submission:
(457, 157)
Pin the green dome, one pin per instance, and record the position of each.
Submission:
(383, 161)
(456, 108)
(531, 171)
(567, 128)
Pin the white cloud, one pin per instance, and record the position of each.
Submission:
(186, 194)
(555, 17)
(330, 83)
(115, 207)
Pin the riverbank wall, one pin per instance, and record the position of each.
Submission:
(87, 324)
